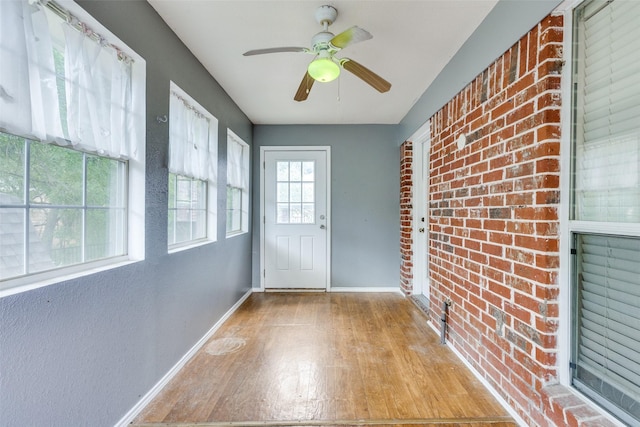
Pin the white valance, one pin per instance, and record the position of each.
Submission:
(80, 96)
(237, 163)
(28, 91)
(193, 147)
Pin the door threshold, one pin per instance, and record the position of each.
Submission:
(295, 290)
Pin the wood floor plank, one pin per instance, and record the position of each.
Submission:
(305, 359)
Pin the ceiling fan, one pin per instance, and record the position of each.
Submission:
(326, 67)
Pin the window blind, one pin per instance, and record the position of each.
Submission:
(607, 90)
(608, 357)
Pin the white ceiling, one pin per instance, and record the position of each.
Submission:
(412, 42)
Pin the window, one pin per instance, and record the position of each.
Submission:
(605, 206)
(237, 185)
(66, 208)
(68, 146)
(193, 171)
(187, 209)
(295, 192)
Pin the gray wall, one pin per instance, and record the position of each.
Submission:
(83, 352)
(365, 213)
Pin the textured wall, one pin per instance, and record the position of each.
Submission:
(83, 351)
(364, 198)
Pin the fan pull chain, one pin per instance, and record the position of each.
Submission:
(338, 89)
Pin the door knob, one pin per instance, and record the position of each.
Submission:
(421, 229)
(322, 227)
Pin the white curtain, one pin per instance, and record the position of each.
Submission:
(94, 84)
(237, 168)
(193, 148)
(98, 96)
(28, 89)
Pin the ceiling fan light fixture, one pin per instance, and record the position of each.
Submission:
(324, 70)
(326, 67)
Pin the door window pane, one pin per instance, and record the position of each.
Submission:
(308, 169)
(283, 192)
(295, 212)
(295, 192)
(308, 213)
(295, 171)
(283, 213)
(307, 192)
(283, 171)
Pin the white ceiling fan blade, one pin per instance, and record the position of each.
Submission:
(354, 34)
(276, 50)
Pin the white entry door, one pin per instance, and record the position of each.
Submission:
(421, 142)
(296, 218)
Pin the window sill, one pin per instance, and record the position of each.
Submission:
(564, 403)
(179, 247)
(39, 280)
(236, 233)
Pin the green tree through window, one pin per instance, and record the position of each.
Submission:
(72, 205)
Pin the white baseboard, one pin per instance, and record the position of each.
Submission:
(484, 382)
(365, 289)
(336, 289)
(151, 394)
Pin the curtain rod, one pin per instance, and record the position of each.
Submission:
(74, 22)
(188, 105)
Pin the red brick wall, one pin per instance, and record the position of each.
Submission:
(406, 217)
(494, 227)
(494, 219)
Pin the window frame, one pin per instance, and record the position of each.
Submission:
(134, 175)
(301, 183)
(234, 210)
(579, 384)
(244, 200)
(190, 210)
(571, 228)
(211, 188)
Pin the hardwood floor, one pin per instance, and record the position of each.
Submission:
(325, 359)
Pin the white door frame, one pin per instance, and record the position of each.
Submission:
(264, 149)
(421, 140)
